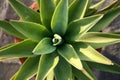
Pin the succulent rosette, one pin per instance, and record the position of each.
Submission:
(60, 40)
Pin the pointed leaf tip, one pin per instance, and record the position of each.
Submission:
(20, 49)
(10, 29)
(45, 46)
(38, 31)
(78, 28)
(87, 53)
(25, 12)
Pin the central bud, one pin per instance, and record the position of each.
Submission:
(57, 40)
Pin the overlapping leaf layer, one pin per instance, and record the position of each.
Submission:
(60, 40)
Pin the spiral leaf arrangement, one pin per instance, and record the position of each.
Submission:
(60, 41)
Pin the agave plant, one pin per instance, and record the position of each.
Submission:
(60, 41)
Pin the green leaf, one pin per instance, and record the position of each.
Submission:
(70, 55)
(63, 70)
(85, 74)
(21, 49)
(45, 46)
(77, 9)
(50, 76)
(106, 20)
(60, 18)
(98, 39)
(5, 59)
(24, 12)
(79, 27)
(88, 72)
(46, 12)
(10, 30)
(90, 12)
(107, 68)
(8, 45)
(31, 30)
(109, 7)
(47, 63)
(28, 69)
(87, 53)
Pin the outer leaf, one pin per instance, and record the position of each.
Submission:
(97, 5)
(85, 74)
(109, 7)
(8, 45)
(87, 53)
(28, 69)
(93, 9)
(9, 29)
(79, 75)
(24, 12)
(3, 59)
(45, 46)
(98, 39)
(108, 68)
(46, 12)
(31, 30)
(70, 55)
(77, 9)
(46, 65)
(63, 70)
(89, 3)
(20, 49)
(106, 20)
(60, 18)
(78, 27)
